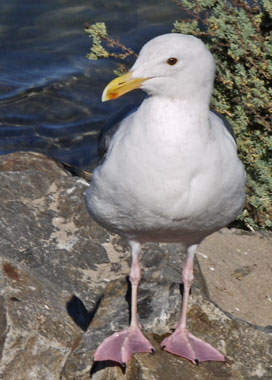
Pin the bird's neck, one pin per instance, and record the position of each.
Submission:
(176, 112)
(171, 122)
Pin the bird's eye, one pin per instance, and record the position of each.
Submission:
(172, 61)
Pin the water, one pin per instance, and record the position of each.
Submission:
(49, 91)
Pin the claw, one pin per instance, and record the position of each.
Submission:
(124, 366)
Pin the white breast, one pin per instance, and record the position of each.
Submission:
(168, 174)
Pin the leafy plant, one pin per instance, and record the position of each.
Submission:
(238, 34)
(98, 33)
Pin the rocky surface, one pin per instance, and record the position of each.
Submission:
(245, 260)
(64, 288)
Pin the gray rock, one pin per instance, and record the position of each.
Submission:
(64, 289)
(37, 333)
(237, 270)
(247, 349)
(45, 226)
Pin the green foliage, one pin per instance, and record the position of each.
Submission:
(239, 37)
(97, 32)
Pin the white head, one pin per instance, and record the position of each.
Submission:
(178, 65)
(172, 65)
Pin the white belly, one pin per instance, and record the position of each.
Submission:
(149, 189)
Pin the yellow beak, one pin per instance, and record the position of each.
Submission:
(120, 86)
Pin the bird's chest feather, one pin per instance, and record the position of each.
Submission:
(161, 151)
(157, 160)
(166, 169)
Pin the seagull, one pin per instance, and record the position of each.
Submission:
(169, 173)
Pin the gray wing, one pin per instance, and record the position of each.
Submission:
(110, 127)
(226, 124)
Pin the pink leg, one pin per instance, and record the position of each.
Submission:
(120, 346)
(182, 342)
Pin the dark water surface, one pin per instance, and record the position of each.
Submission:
(49, 91)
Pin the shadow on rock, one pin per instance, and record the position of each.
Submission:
(78, 312)
(99, 366)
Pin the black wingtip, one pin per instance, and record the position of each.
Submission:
(197, 362)
(152, 351)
